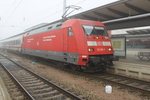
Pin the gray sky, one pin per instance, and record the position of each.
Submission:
(18, 15)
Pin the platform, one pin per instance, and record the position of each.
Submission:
(3, 91)
(132, 57)
(139, 71)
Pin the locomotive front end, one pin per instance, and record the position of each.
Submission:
(99, 47)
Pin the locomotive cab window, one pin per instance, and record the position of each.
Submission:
(70, 33)
(94, 30)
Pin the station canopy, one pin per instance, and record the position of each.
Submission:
(120, 14)
(138, 32)
(135, 33)
(117, 15)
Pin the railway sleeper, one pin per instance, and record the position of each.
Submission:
(56, 97)
(35, 85)
(144, 86)
(102, 77)
(17, 93)
(109, 78)
(11, 86)
(8, 80)
(32, 82)
(131, 83)
(124, 82)
(26, 74)
(47, 94)
(13, 89)
(23, 77)
(43, 90)
(28, 79)
(18, 98)
(148, 89)
(118, 80)
(37, 88)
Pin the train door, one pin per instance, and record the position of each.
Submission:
(70, 47)
(65, 45)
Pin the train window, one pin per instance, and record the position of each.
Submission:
(58, 25)
(70, 33)
(49, 28)
(94, 30)
(45, 29)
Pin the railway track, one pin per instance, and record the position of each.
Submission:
(125, 81)
(13, 89)
(35, 86)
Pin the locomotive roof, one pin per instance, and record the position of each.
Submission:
(36, 26)
(43, 25)
(39, 26)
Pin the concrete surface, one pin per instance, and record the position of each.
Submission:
(132, 66)
(139, 71)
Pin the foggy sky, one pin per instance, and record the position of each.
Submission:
(18, 15)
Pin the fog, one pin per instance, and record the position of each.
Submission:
(18, 15)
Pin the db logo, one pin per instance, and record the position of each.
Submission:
(99, 43)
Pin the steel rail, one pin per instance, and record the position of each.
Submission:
(63, 91)
(124, 81)
(22, 87)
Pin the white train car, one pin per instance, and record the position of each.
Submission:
(13, 43)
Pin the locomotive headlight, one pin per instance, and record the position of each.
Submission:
(91, 49)
(109, 49)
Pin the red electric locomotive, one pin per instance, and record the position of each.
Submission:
(78, 42)
(82, 43)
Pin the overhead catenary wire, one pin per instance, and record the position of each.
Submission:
(46, 17)
(80, 2)
(15, 9)
(7, 10)
(13, 3)
(59, 11)
(18, 4)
